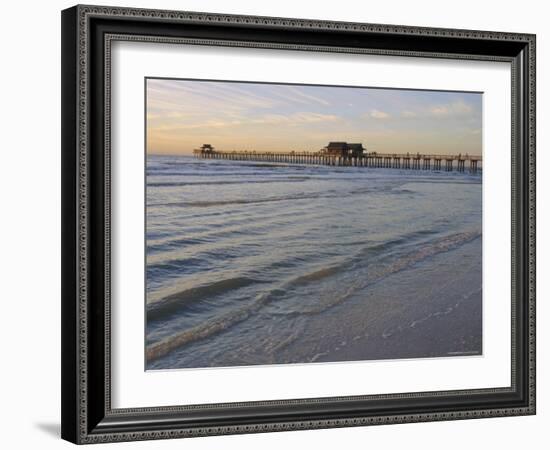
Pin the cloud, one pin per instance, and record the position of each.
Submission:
(297, 118)
(310, 117)
(292, 119)
(440, 111)
(299, 96)
(454, 109)
(194, 95)
(376, 114)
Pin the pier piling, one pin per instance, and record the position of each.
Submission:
(358, 159)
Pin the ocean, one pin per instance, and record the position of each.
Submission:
(267, 263)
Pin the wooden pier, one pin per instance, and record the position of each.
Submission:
(446, 163)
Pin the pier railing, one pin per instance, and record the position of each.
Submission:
(417, 161)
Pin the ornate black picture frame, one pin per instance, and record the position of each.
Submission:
(87, 34)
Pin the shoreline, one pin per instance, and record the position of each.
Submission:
(425, 323)
(380, 323)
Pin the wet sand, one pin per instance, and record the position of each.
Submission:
(440, 315)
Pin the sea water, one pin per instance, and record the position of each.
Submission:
(268, 263)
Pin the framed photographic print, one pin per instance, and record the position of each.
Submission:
(276, 224)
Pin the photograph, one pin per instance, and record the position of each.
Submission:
(300, 224)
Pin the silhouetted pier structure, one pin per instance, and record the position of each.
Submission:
(353, 155)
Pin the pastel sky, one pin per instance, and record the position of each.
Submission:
(182, 115)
